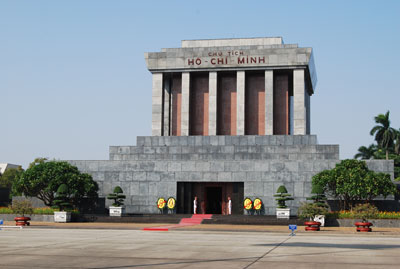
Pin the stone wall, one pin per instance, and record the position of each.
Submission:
(153, 167)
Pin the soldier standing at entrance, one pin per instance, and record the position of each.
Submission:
(229, 206)
(195, 205)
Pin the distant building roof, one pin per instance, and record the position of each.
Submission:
(5, 166)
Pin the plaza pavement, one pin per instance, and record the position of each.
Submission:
(124, 245)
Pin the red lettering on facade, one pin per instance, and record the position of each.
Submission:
(253, 60)
(240, 60)
(190, 62)
(261, 60)
(212, 61)
(220, 61)
(198, 61)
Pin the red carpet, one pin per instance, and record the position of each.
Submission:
(194, 220)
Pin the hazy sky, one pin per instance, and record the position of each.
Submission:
(73, 79)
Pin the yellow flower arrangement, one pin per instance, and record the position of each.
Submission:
(247, 203)
(257, 204)
(161, 203)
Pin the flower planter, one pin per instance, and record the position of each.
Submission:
(363, 226)
(62, 216)
(116, 211)
(312, 225)
(22, 221)
(283, 213)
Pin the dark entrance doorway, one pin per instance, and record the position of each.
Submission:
(214, 200)
(212, 197)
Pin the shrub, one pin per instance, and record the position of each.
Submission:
(318, 196)
(22, 207)
(6, 210)
(117, 196)
(365, 211)
(282, 196)
(61, 200)
(36, 211)
(309, 211)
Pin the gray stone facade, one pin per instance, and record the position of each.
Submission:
(155, 165)
(195, 89)
(242, 56)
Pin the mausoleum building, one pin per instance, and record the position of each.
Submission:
(230, 118)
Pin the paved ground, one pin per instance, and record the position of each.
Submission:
(201, 247)
(203, 227)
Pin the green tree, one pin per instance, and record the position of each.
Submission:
(61, 200)
(397, 143)
(351, 181)
(117, 196)
(282, 196)
(310, 211)
(380, 154)
(366, 153)
(384, 134)
(9, 176)
(318, 196)
(42, 180)
(36, 161)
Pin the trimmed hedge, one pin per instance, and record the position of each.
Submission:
(346, 214)
(36, 211)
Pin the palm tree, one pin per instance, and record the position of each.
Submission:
(397, 143)
(384, 134)
(365, 153)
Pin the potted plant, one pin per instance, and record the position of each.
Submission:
(61, 203)
(310, 211)
(282, 211)
(364, 212)
(117, 209)
(22, 208)
(318, 197)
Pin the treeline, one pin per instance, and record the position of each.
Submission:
(386, 146)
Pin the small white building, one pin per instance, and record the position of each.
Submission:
(5, 166)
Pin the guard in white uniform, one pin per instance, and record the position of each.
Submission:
(195, 205)
(229, 206)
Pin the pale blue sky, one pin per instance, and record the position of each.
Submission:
(73, 79)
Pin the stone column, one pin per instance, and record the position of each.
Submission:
(240, 84)
(212, 104)
(299, 106)
(156, 115)
(185, 104)
(167, 105)
(269, 102)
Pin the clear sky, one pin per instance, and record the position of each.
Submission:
(73, 79)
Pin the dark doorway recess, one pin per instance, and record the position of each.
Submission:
(214, 200)
(212, 197)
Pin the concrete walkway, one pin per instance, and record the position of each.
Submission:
(205, 227)
(203, 247)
